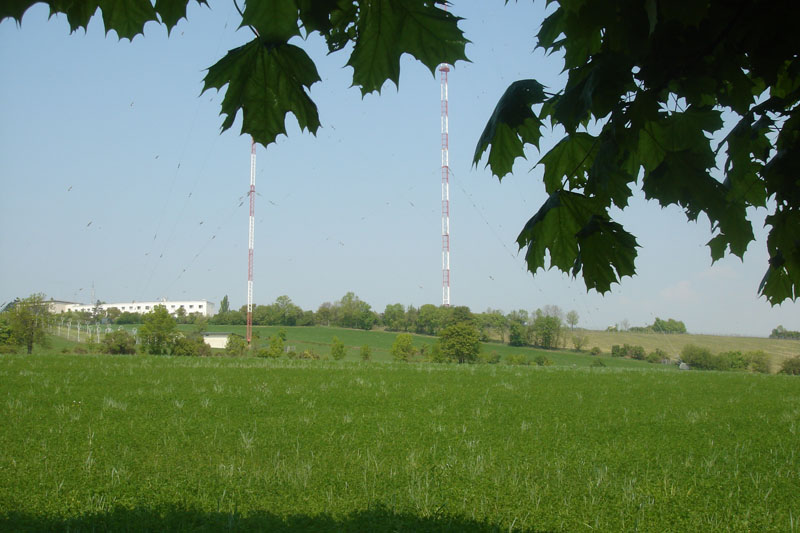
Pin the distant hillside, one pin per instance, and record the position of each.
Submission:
(779, 349)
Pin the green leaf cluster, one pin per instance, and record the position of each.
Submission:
(269, 77)
(647, 88)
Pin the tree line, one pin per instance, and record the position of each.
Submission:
(782, 333)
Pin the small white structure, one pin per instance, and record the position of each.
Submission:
(216, 339)
(59, 306)
(202, 307)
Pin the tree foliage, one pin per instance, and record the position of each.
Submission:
(236, 345)
(460, 342)
(158, 331)
(403, 347)
(338, 350)
(782, 333)
(27, 321)
(269, 77)
(119, 342)
(648, 85)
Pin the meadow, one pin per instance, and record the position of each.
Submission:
(144, 443)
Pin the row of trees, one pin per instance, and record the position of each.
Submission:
(782, 333)
(668, 326)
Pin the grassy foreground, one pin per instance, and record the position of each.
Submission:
(157, 443)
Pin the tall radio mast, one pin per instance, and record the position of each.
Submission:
(251, 241)
(444, 68)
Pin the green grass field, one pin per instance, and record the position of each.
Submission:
(108, 443)
(318, 338)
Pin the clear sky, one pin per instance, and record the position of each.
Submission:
(114, 175)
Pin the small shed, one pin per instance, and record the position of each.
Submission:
(216, 339)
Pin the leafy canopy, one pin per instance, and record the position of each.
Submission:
(648, 85)
(269, 77)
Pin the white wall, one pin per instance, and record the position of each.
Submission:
(203, 307)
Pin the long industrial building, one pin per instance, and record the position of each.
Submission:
(202, 307)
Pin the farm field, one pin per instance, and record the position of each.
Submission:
(97, 442)
(779, 349)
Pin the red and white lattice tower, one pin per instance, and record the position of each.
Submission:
(444, 68)
(251, 240)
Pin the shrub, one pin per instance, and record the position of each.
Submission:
(791, 366)
(543, 360)
(403, 347)
(596, 351)
(276, 347)
(702, 358)
(626, 350)
(579, 341)
(338, 350)
(365, 352)
(437, 355)
(598, 363)
(491, 358)
(635, 352)
(119, 342)
(516, 359)
(657, 356)
(183, 347)
(758, 361)
(236, 345)
(309, 354)
(734, 360)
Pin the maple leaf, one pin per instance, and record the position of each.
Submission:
(266, 83)
(512, 125)
(386, 29)
(171, 11)
(576, 232)
(275, 21)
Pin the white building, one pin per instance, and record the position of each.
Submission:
(59, 306)
(202, 307)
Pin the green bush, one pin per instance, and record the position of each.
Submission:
(596, 351)
(403, 347)
(491, 358)
(543, 360)
(735, 360)
(305, 354)
(627, 350)
(365, 352)
(338, 350)
(119, 342)
(758, 361)
(791, 366)
(657, 356)
(516, 359)
(702, 358)
(276, 346)
(236, 345)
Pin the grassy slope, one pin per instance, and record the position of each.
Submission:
(673, 344)
(99, 443)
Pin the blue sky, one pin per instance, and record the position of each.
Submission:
(114, 174)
